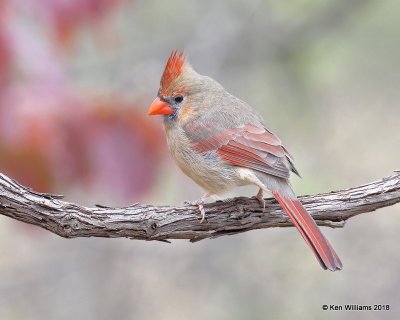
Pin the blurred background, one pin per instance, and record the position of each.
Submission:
(76, 79)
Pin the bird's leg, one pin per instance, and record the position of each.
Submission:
(260, 198)
(200, 204)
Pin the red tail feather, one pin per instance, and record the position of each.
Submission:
(309, 230)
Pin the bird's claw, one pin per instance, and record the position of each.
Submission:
(200, 204)
(203, 212)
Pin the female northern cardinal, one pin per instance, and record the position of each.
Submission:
(221, 142)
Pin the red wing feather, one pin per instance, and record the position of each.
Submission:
(231, 156)
(267, 136)
(276, 150)
(250, 147)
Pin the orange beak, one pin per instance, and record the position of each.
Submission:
(159, 107)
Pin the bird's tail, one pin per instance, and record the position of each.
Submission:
(309, 230)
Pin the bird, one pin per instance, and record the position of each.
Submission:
(221, 142)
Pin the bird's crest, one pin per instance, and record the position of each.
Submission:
(173, 69)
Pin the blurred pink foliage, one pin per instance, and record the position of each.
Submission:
(65, 16)
(50, 134)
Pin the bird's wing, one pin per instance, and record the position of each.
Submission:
(248, 146)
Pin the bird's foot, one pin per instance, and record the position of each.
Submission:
(200, 204)
(202, 211)
(260, 198)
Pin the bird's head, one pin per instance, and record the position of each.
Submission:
(182, 90)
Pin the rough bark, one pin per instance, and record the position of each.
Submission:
(148, 222)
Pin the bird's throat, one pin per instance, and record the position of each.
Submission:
(171, 118)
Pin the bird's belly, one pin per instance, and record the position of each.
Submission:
(206, 169)
(210, 173)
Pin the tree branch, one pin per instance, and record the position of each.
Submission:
(147, 222)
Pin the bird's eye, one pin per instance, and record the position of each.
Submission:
(178, 99)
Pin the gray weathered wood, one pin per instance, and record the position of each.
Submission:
(149, 222)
